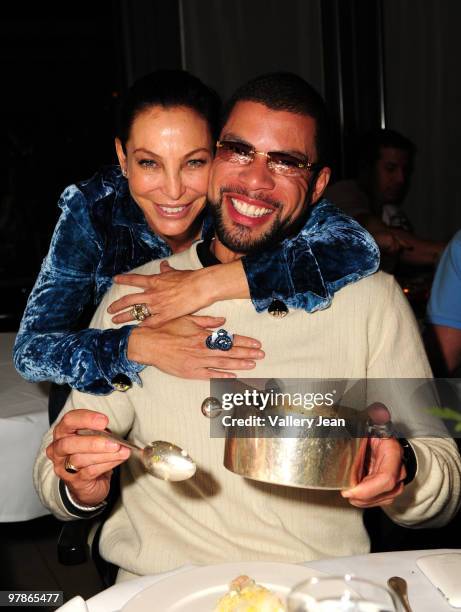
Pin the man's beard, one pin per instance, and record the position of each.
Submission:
(240, 238)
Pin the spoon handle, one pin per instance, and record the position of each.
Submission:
(399, 586)
(109, 436)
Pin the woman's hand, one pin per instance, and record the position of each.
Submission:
(179, 348)
(174, 293)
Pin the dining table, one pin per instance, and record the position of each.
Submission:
(377, 567)
(23, 421)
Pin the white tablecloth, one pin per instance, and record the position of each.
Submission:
(23, 421)
(378, 567)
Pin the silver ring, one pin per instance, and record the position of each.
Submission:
(220, 340)
(69, 467)
(140, 312)
(381, 430)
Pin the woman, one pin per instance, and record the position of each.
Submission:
(150, 207)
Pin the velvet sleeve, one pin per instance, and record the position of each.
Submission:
(50, 344)
(331, 251)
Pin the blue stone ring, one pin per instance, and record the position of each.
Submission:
(220, 340)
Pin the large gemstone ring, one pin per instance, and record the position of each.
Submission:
(220, 340)
(140, 312)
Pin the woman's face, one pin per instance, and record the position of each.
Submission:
(167, 161)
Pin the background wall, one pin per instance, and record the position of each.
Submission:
(59, 80)
(226, 43)
(63, 70)
(422, 51)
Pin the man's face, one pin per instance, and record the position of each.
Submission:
(391, 176)
(253, 206)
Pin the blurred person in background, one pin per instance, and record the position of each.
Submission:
(375, 199)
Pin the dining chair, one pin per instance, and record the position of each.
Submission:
(78, 540)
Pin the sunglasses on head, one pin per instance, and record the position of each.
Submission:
(279, 163)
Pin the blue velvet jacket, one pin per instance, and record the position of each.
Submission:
(102, 232)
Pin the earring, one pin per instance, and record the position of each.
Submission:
(124, 172)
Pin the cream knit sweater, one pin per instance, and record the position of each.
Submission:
(369, 331)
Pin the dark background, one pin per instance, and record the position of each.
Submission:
(378, 63)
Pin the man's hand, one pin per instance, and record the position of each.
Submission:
(384, 480)
(390, 243)
(95, 457)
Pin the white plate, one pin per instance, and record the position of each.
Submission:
(199, 589)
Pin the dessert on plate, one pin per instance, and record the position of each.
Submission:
(245, 595)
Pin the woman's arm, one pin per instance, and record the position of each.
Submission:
(331, 251)
(49, 345)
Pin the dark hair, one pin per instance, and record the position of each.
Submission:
(285, 91)
(369, 147)
(168, 88)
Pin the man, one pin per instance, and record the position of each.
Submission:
(270, 167)
(375, 199)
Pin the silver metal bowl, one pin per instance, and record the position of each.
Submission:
(332, 458)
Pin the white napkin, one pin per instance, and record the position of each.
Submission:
(76, 604)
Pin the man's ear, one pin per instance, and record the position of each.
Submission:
(121, 156)
(321, 184)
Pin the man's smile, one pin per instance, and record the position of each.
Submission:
(247, 211)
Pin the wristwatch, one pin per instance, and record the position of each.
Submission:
(408, 459)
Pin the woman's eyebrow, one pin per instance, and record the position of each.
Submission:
(188, 154)
(199, 150)
(142, 150)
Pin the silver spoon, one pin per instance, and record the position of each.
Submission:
(400, 588)
(161, 459)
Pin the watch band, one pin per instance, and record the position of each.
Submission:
(409, 460)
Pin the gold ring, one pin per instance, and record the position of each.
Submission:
(140, 312)
(69, 467)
